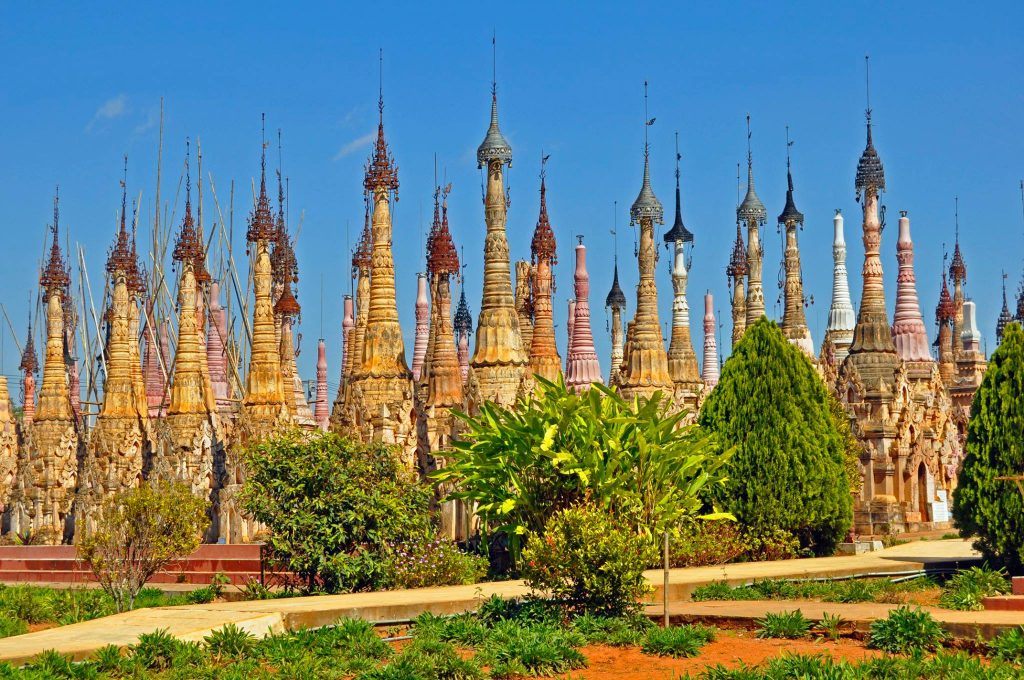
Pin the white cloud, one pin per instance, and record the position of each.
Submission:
(152, 118)
(354, 145)
(115, 107)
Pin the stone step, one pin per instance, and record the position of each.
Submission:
(1004, 603)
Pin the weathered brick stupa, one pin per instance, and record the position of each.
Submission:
(443, 376)
(499, 364)
(121, 441)
(321, 412)
(524, 302)
(644, 369)
(682, 360)
(419, 348)
(8, 444)
(190, 445)
(544, 359)
(582, 366)
(41, 501)
(752, 213)
(908, 331)
(794, 322)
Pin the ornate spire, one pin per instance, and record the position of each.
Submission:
(790, 214)
(321, 413)
(56, 276)
(381, 171)
(908, 331)
(463, 318)
(841, 317)
(869, 168)
(647, 204)
(1005, 318)
(751, 209)
(442, 257)
(616, 298)
(188, 248)
(737, 268)
(261, 222)
(957, 268)
(283, 262)
(419, 348)
(678, 232)
(30, 364)
(543, 244)
(794, 322)
(494, 147)
(944, 310)
(544, 359)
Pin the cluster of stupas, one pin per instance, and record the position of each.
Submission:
(188, 415)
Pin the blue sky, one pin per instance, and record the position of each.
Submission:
(83, 82)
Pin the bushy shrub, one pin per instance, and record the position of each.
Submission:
(966, 589)
(677, 641)
(702, 543)
(156, 650)
(586, 560)
(617, 631)
(514, 648)
(906, 630)
(1008, 646)
(11, 626)
(789, 468)
(229, 643)
(138, 533)
(425, 562)
(986, 508)
(789, 625)
(333, 506)
(831, 625)
(633, 459)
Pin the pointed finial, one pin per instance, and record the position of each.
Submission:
(956, 219)
(867, 90)
(790, 214)
(870, 173)
(380, 85)
(646, 204)
(124, 193)
(751, 209)
(494, 62)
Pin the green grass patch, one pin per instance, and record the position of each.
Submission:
(677, 641)
(848, 590)
(788, 625)
(906, 630)
(966, 589)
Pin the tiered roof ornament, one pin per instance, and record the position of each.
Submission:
(463, 317)
(188, 247)
(494, 147)
(56, 276)
(29, 362)
(283, 262)
(790, 213)
(442, 257)
(616, 298)
(381, 171)
(944, 311)
(869, 168)
(261, 224)
(751, 209)
(1005, 318)
(678, 231)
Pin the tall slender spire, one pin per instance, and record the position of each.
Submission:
(710, 368)
(736, 273)
(321, 414)
(678, 231)
(752, 213)
(29, 367)
(908, 331)
(1005, 318)
(544, 359)
(616, 301)
(500, 359)
(794, 322)
(444, 373)
(645, 362)
(958, 275)
(419, 349)
(583, 367)
(944, 313)
(841, 317)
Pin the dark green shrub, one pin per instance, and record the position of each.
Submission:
(50, 664)
(677, 641)
(333, 506)
(984, 507)
(789, 625)
(108, 659)
(31, 604)
(788, 471)
(966, 589)
(1008, 646)
(906, 630)
(513, 649)
(588, 561)
(702, 543)
(359, 639)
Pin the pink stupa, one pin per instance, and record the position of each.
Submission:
(569, 333)
(346, 336)
(582, 366)
(908, 331)
(321, 412)
(216, 355)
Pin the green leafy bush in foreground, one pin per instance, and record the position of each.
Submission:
(677, 641)
(589, 562)
(906, 630)
(966, 589)
(1008, 646)
(789, 625)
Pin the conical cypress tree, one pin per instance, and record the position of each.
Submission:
(985, 507)
(787, 471)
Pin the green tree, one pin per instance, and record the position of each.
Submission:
(334, 507)
(138, 533)
(984, 507)
(632, 459)
(788, 471)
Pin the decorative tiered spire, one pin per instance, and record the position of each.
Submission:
(908, 331)
(710, 368)
(944, 314)
(752, 213)
(645, 363)
(544, 359)
(444, 373)
(463, 329)
(583, 368)
(794, 322)
(497, 367)
(736, 273)
(419, 348)
(29, 367)
(616, 301)
(841, 317)
(347, 325)
(321, 413)
(1005, 318)
(958, 275)
(56, 276)
(682, 359)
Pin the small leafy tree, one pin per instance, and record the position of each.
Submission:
(589, 562)
(789, 471)
(990, 509)
(334, 507)
(138, 533)
(632, 459)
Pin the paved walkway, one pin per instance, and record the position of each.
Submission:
(193, 622)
